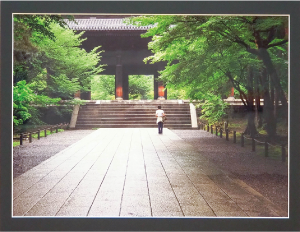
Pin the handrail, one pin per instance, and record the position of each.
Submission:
(267, 144)
(29, 134)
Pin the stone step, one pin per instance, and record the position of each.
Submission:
(132, 122)
(135, 107)
(106, 120)
(132, 104)
(138, 104)
(129, 116)
(132, 115)
(172, 126)
(118, 114)
(131, 119)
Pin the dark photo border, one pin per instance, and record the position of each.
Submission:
(7, 223)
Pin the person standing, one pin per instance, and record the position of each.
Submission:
(160, 114)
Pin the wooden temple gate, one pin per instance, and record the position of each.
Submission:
(124, 51)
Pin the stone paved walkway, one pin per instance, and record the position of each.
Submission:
(134, 172)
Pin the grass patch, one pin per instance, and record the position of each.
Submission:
(239, 124)
(35, 136)
(274, 152)
(16, 144)
(263, 132)
(234, 125)
(42, 133)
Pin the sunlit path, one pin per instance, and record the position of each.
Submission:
(129, 172)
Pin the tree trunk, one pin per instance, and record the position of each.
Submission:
(275, 104)
(248, 101)
(259, 118)
(264, 55)
(251, 128)
(268, 108)
(271, 90)
(269, 116)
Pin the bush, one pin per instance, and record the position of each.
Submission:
(213, 109)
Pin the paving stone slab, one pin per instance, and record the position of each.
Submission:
(134, 172)
(194, 211)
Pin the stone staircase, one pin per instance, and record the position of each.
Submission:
(120, 114)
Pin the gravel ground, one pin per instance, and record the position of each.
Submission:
(29, 155)
(267, 176)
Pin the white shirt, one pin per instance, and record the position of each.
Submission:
(159, 114)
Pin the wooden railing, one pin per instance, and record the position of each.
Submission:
(29, 135)
(254, 142)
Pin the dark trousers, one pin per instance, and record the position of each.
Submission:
(160, 127)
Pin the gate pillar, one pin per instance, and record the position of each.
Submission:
(160, 93)
(119, 80)
(125, 86)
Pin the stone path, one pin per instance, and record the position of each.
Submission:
(266, 175)
(134, 172)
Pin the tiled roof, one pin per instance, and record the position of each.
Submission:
(102, 25)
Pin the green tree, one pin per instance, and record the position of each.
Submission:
(212, 53)
(213, 109)
(103, 87)
(68, 67)
(175, 93)
(140, 87)
(29, 30)
(23, 97)
(49, 62)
